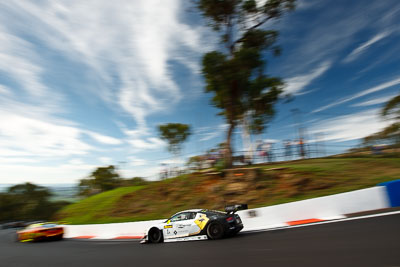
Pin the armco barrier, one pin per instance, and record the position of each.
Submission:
(393, 191)
(305, 211)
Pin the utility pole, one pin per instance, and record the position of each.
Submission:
(297, 121)
(323, 144)
(317, 146)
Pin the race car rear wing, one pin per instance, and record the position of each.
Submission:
(234, 208)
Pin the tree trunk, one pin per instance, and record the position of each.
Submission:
(247, 143)
(228, 149)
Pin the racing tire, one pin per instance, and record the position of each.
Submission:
(16, 238)
(215, 230)
(155, 235)
(234, 233)
(58, 237)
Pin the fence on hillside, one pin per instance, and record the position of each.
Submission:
(260, 155)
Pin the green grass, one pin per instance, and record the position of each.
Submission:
(89, 210)
(289, 181)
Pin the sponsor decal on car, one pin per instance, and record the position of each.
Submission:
(201, 221)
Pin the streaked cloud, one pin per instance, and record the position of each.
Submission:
(172, 161)
(40, 134)
(76, 161)
(141, 138)
(295, 85)
(350, 127)
(208, 133)
(21, 63)
(40, 138)
(146, 143)
(104, 139)
(364, 46)
(49, 174)
(4, 90)
(17, 160)
(374, 101)
(134, 161)
(106, 160)
(123, 40)
(124, 52)
(374, 89)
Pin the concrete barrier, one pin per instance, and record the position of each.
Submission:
(305, 211)
(321, 208)
(109, 231)
(393, 192)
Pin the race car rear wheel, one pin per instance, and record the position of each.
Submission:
(155, 235)
(215, 230)
(16, 238)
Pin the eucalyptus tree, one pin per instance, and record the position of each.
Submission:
(175, 134)
(236, 73)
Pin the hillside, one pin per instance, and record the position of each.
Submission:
(262, 185)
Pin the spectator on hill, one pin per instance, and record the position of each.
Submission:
(288, 149)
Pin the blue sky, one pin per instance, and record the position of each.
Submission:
(85, 83)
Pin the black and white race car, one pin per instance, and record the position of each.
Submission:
(197, 224)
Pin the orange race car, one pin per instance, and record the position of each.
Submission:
(41, 231)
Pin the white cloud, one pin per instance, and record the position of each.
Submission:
(17, 61)
(360, 94)
(106, 160)
(131, 41)
(133, 161)
(29, 131)
(104, 139)
(4, 90)
(123, 48)
(208, 133)
(141, 138)
(40, 138)
(350, 127)
(65, 173)
(315, 42)
(76, 162)
(4, 160)
(364, 46)
(12, 152)
(271, 140)
(147, 143)
(374, 101)
(172, 161)
(295, 85)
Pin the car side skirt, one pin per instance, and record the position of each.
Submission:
(186, 238)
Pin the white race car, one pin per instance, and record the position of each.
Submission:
(197, 224)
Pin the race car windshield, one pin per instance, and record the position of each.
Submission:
(179, 217)
(50, 225)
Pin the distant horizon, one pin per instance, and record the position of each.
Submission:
(48, 184)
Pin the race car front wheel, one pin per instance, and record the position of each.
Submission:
(155, 235)
(58, 237)
(215, 230)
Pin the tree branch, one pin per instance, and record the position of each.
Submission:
(249, 29)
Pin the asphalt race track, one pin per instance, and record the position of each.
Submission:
(365, 242)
